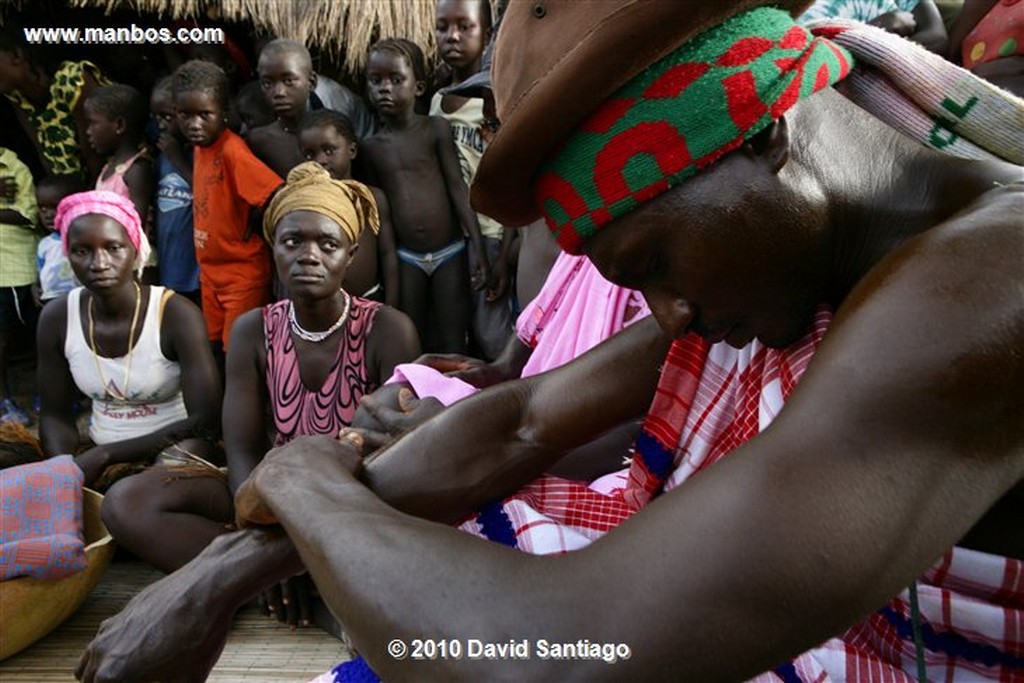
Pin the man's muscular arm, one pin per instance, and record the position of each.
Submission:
(489, 444)
(900, 436)
(429, 475)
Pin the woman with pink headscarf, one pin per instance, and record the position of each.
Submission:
(138, 351)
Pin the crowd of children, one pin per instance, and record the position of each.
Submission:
(200, 156)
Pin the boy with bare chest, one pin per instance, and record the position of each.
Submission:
(414, 161)
(286, 80)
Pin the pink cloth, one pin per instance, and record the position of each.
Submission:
(426, 381)
(104, 203)
(576, 310)
(115, 181)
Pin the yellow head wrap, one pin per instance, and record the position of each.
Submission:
(310, 187)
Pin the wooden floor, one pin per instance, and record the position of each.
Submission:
(259, 650)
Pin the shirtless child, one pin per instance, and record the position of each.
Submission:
(328, 138)
(286, 80)
(413, 159)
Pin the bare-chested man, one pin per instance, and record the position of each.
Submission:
(899, 439)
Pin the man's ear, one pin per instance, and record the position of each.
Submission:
(771, 144)
(312, 81)
(421, 87)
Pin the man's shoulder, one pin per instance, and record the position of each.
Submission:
(939, 321)
(987, 230)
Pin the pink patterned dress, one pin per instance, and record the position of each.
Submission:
(298, 410)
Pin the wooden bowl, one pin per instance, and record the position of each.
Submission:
(31, 608)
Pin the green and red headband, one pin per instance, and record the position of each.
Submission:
(679, 116)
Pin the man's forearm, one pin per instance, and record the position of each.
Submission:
(236, 567)
(490, 444)
(362, 555)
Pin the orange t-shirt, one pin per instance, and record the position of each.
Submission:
(227, 182)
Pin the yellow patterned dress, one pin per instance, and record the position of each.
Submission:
(54, 122)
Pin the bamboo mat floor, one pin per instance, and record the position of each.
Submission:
(259, 650)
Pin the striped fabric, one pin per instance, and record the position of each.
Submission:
(972, 624)
(709, 400)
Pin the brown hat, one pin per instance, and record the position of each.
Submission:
(555, 61)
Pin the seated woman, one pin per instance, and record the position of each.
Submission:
(137, 351)
(298, 367)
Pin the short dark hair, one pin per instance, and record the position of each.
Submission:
(251, 106)
(164, 83)
(407, 50)
(198, 75)
(287, 46)
(69, 183)
(121, 101)
(484, 15)
(321, 118)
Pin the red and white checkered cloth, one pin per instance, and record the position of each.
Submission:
(711, 400)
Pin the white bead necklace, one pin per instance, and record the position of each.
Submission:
(317, 337)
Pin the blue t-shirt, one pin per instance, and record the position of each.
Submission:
(174, 238)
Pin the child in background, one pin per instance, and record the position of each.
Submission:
(413, 159)
(328, 138)
(55, 276)
(116, 126)
(18, 240)
(251, 108)
(463, 28)
(175, 241)
(228, 183)
(286, 81)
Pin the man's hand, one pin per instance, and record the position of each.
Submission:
(388, 413)
(473, 371)
(449, 363)
(284, 468)
(173, 631)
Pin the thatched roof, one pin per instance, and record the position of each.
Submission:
(344, 27)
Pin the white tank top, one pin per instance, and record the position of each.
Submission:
(154, 385)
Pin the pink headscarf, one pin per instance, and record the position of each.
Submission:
(104, 203)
